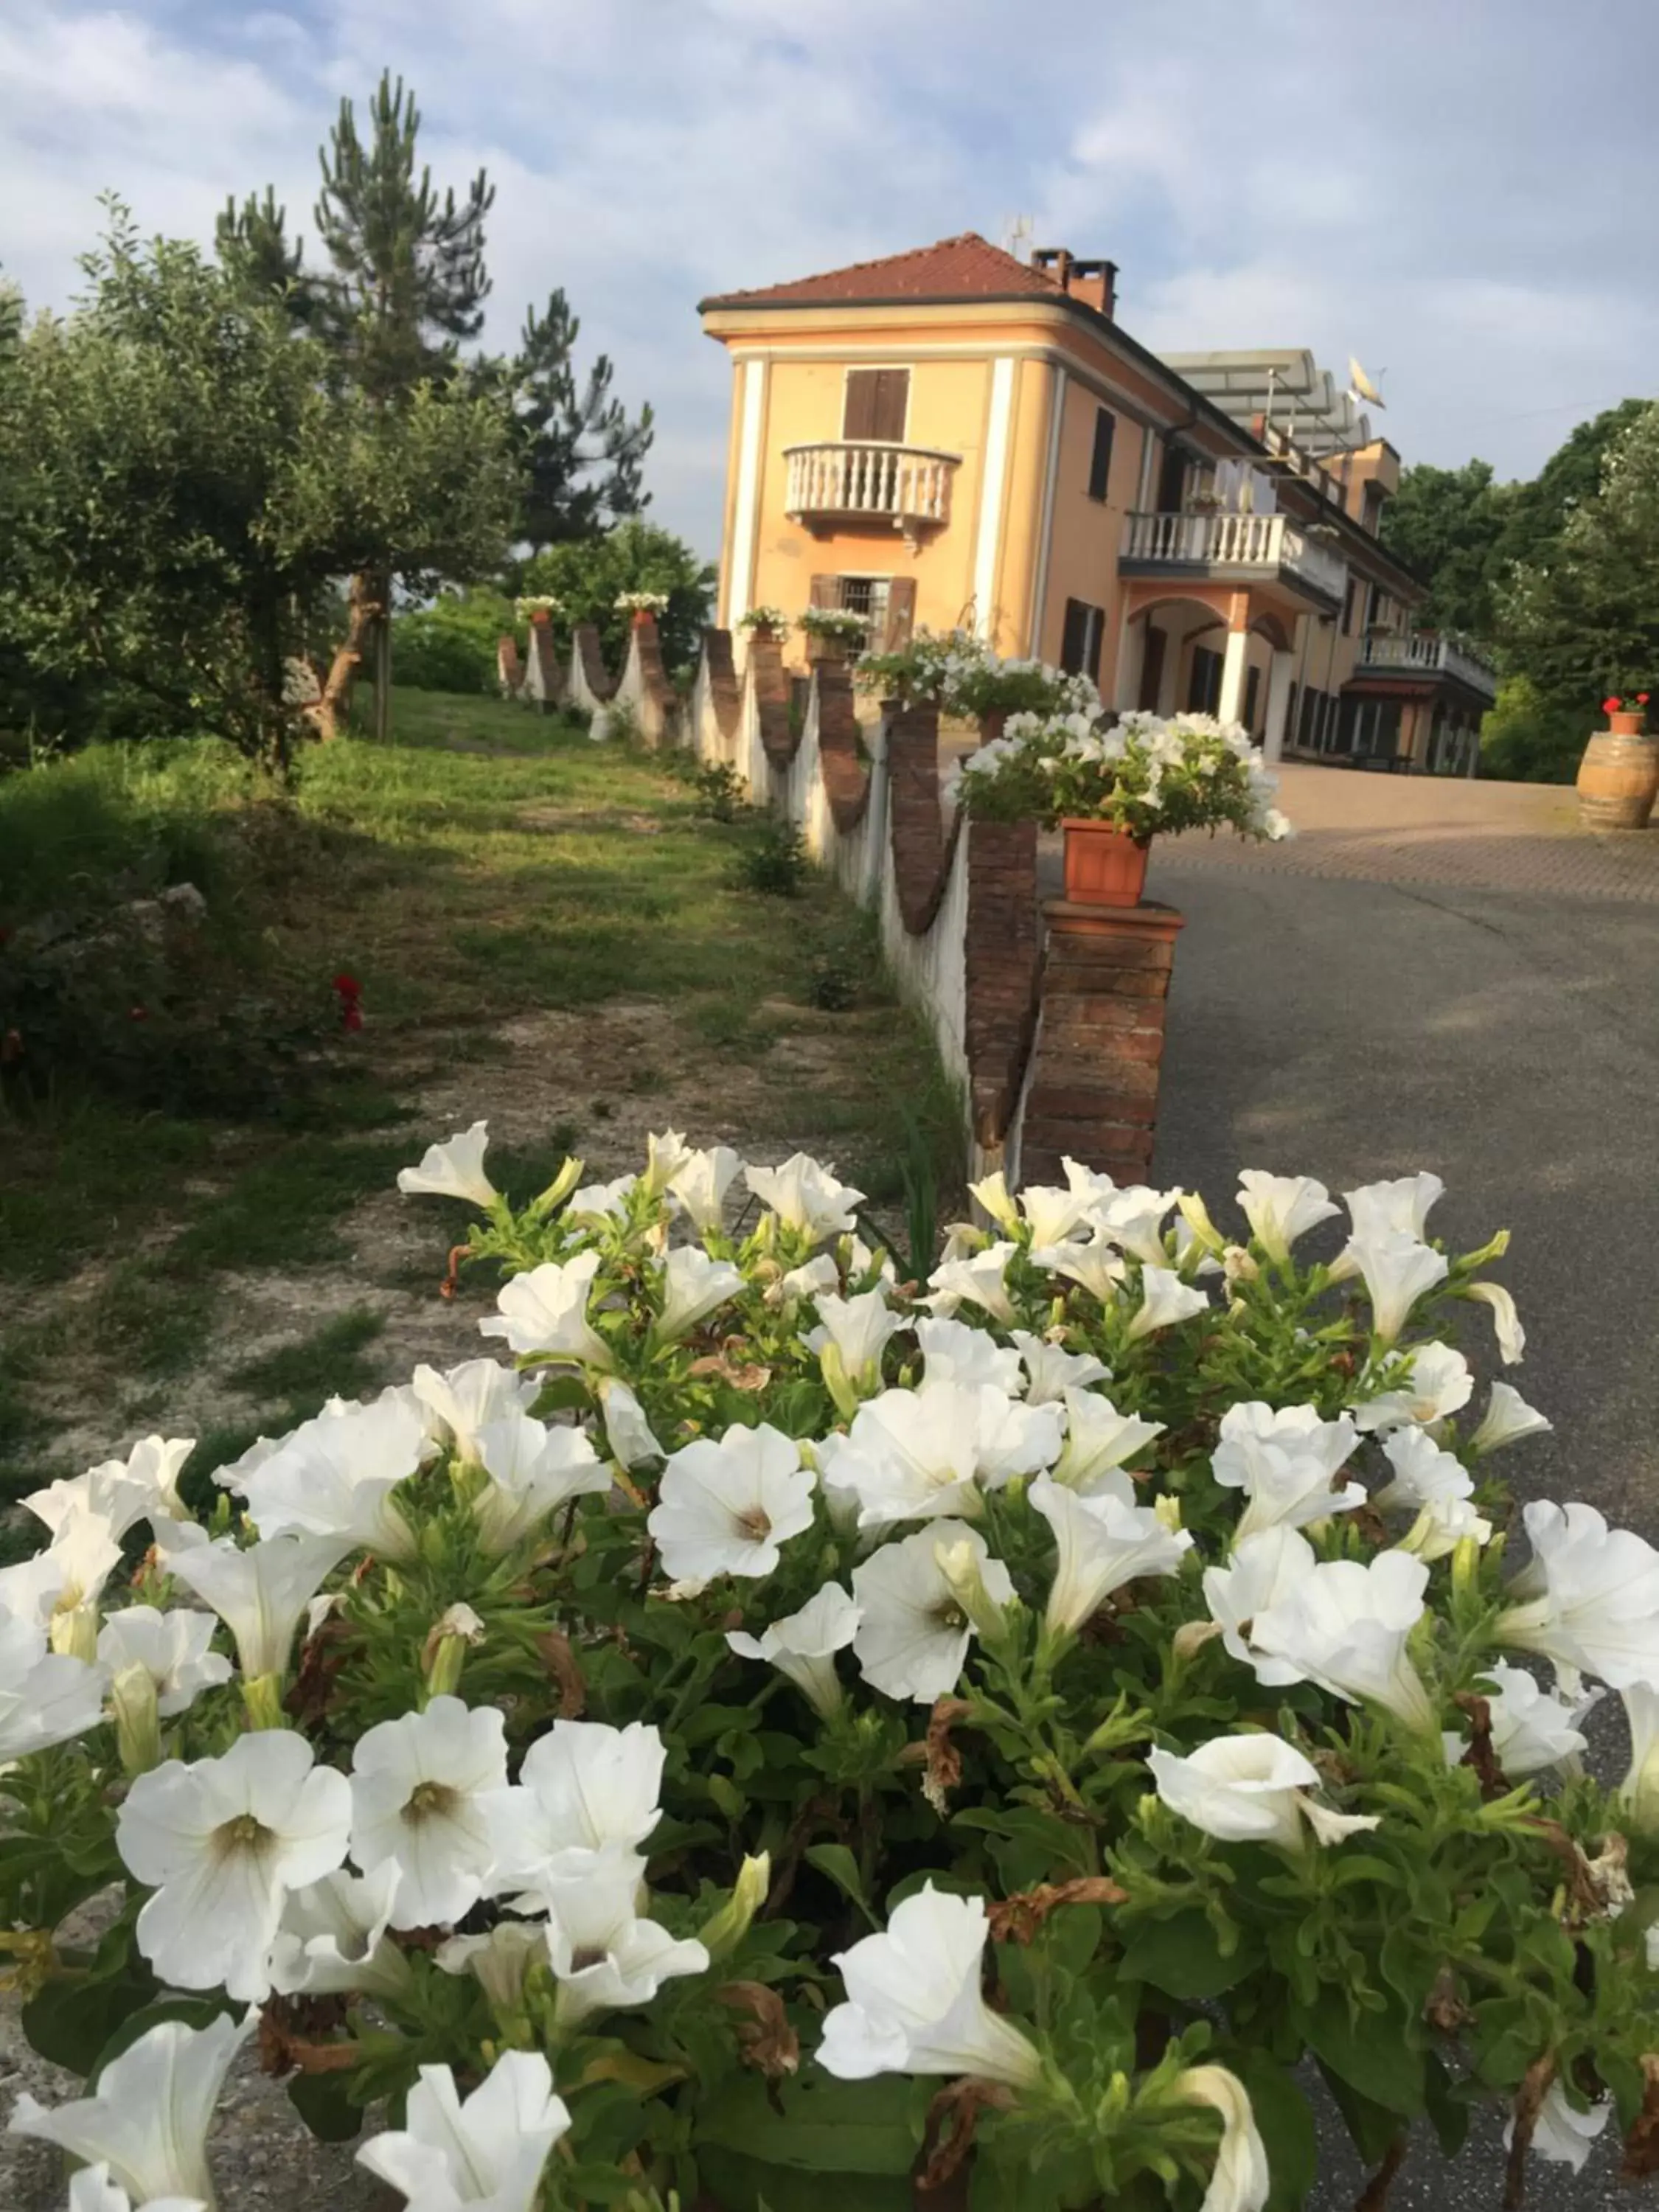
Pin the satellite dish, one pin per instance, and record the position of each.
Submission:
(1360, 387)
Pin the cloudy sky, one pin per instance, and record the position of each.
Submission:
(1459, 191)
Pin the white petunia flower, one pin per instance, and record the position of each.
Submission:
(915, 2004)
(698, 1186)
(453, 1168)
(693, 1286)
(222, 1843)
(337, 1476)
(1052, 1215)
(489, 2151)
(1344, 1626)
(1437, 1384)
(1507, 1419)
(979, 1281)
(1165, 1300)
(1589, 1597)
(805, 1194)
(1424, 1474)
(1133, 1218)
(1096, 1266)
(103, 1494)
(605, 1955)
(91, 2189)
(1396, 1208)
(148, 2120)
(1562, 2134)
(860, 1329)
(260, 1594)
(45, 1697)
(1095, 1188)
(803, 1645)
(533, 1470)
(1285, 1461)
(333, 1940)
(1251, 1787)
(1052, 1371)
(820, 1272)
(460, 1402)
(170, 1648)
(912, 1455)
(1511, 1337)
(1098, 1441)
(914, 1636)
(666, 1155)
(1241, 2181)
(498, 1961)
(951, 1351)
(421, 1791)
(1639, 1791)
(584, 1788)
(59, 1587)
(1103, 1544)
(1281, 1208)
(545, 1312)
(1259, 1575)
(597, 1203)
(991, 1194)
(1530, 1729)
(627, 1432)
(1396, 1271)
(723, 1508)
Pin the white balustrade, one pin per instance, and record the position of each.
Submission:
(1435, 656)
(905, 484)
(1223, 539)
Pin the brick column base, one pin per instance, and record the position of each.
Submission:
(1093, 1090)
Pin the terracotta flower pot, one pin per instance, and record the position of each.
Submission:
(1626, 724)
(1618, 777)
(1103, 867)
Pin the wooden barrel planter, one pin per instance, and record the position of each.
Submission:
(1619, 777)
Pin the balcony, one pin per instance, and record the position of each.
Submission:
(850, 480)
(1427, 657)
(1224, 547)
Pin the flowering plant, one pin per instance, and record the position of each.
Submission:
(535, 603)
(1633, 703)
(787, 1731)
(841, 624)
(1143, 774)
(771, 618)
(959, 674)
(640, 603)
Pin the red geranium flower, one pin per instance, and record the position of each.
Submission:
(1610, 706)
(351, 1014)
(348, 985)
(1641, 698)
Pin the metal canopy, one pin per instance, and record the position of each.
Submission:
(1285, 385)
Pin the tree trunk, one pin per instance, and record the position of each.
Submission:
(383, 662)
(364, 608)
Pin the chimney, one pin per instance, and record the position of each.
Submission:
(1092, 282)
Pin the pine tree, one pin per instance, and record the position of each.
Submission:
(254, 248)
(582, 457)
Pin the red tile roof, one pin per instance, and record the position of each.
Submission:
(965, 268)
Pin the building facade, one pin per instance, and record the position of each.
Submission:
(955, 437)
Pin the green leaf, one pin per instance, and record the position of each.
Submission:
(72, 2020)
(324, 2103)
(843, 1868)
(1373, 2129)
(819, 2126)
(1379, 2057)
(1181, 1957)
(1286, 2123)
(747, 2185)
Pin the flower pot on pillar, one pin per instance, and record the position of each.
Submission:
(1104, 866)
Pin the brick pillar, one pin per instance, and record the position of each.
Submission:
(1093, 1090)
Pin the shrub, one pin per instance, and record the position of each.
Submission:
(958, 672)
(772, 858)
(588, 576)
(722, 794)
(450, 646)
(702, 1713)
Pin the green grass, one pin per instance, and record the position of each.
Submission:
(488, 864)
(329, 1363)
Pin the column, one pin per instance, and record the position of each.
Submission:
(1278, 701)
(1231, 705)
(1129, 661)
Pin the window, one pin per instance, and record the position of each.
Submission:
(1347, 608)
(1172, 481)
(877, 403)
(1252, 695)
(1100, 461)
(1079, 644)
(865, 596)
(1204, 681)
(1373, 607)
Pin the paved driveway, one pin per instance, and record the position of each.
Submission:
(1335, 1012)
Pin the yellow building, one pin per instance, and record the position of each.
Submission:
(952, 436)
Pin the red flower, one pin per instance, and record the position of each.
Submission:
(348, 987)
(351, 1014)
(1641, 698)
(1610, 706)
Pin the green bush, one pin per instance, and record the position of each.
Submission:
(772, 858)
(451, 645)
(1526, 738)
(587, 575)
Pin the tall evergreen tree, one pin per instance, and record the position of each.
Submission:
(582, 457)
(256, 252)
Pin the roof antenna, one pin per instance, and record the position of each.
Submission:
(1016, 236)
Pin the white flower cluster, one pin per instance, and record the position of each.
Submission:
(639, 602)
(986, 1460)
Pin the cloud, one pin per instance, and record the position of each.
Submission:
(1429, 189)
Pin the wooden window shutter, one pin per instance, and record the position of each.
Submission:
(824, 592)
(1100, 461)
(901, 613)
(876, 403)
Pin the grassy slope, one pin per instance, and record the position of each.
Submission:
(487, 865)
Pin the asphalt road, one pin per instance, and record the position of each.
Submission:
(1511, 1042)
